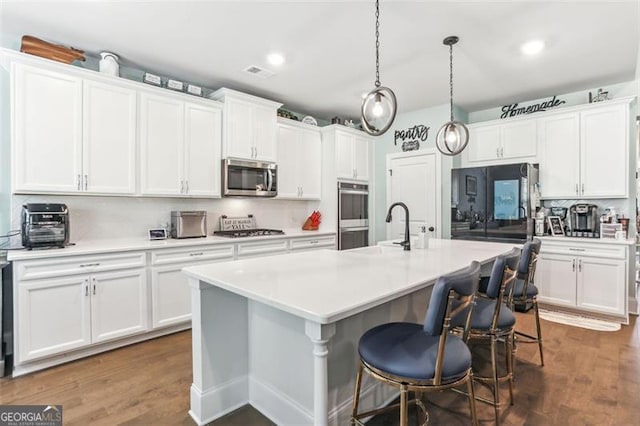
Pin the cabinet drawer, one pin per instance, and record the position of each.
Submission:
(309, 243)
(262, 248)
(62, 266)
(217, 252)
(592, 250)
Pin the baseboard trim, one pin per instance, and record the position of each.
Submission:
(277, 406)
(219, 401)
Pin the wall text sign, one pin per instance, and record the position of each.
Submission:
(513, 109)
(411, 137)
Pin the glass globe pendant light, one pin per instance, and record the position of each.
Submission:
(453, 137)
(379, 106)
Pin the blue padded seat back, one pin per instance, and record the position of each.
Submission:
(511, 260)
(529, 247)
(463, 282)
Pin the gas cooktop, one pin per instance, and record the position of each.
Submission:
(256, 232)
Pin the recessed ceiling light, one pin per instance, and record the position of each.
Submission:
(275, 59)
(532, 47)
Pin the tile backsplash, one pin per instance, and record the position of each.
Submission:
(93, 217)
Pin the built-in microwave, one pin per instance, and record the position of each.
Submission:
(249, 178)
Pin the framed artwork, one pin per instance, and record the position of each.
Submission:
(555, 225)
(471, 185)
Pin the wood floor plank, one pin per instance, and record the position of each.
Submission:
(590, 378)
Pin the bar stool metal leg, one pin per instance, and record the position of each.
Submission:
(537, 315)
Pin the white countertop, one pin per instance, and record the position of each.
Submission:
(626, 242)
(85, 247)
(325, 286)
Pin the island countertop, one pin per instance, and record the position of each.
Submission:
(326, 286)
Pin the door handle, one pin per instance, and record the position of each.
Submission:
(580, 265)
(94, 286)
(577, 189)
(86, 288)
(86, 181)
(573, 265)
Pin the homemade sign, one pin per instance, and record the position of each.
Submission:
(411, 137)
(513, 109)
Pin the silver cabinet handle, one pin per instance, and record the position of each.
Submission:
(573, 265)
(196, 254)
(580, 265)
(583, 189)
(182, 187)
(86, 288)
(87, 265)
(86, 181)
(498, 152)
(186, 189)
(577, 249)
(94, 286)
(301, 191)
(313, 242)
(78, 182)
(577, 189)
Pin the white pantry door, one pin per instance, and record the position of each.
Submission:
(413, 181)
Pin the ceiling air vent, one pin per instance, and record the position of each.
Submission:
(259, 72)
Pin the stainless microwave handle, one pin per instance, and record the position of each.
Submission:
(269, 179)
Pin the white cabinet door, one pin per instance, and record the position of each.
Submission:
(288, 151)
(239, 133)
(484, 143)
(109, 138)
(360, 157)
(118, 304)
(171, 296)
(556, 279)
(519, 141)
(161, 145)
(203, 139)
(601, 285)
(604, 152)
(47, 130)
(344, 155)
(53, 317)
(309, 164)
(265, 129)
(559, 155)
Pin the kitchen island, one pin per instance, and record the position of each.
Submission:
(281, 332)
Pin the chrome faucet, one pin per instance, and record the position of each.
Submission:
(406, 243)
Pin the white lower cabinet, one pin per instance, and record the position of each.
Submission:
(590, 277)
(58, 315)
(170, 294)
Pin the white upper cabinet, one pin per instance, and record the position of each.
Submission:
(47, 130)
(109, 138)
(604, 136)
(161, 145)
(501, 143)
(585, 154)
(250, 126)
(351, 154)
(559, 155)
(179, 147)
(299, 161)
(203, 140)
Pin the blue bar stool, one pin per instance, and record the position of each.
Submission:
(525, 292)
(423, 357)
(492, 320)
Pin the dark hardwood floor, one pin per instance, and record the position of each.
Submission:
(590, 378)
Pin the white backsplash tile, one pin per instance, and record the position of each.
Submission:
(94, 218)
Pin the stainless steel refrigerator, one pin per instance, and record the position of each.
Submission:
(494, 203)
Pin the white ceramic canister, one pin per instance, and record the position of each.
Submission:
(109, 64)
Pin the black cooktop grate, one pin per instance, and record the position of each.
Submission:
(248, 233)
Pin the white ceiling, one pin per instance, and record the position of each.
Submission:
(329, 46)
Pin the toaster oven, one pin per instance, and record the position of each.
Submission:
(188, 224)
(45, 225)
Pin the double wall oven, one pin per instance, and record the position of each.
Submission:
(353, 215)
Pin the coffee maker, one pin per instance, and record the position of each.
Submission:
(584, 220)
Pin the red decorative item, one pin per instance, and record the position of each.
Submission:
(313, 222)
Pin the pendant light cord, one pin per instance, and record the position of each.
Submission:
(377, 44)
(451, 79)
